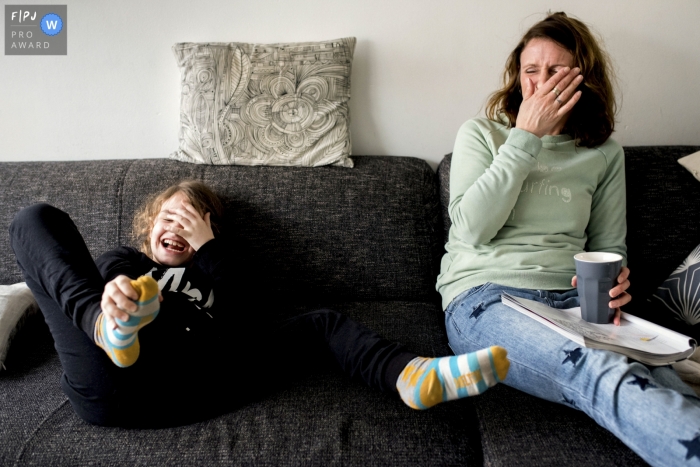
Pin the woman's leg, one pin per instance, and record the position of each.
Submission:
(659, 423)
(61, 274)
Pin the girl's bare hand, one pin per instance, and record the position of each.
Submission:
(118, 299)
(192, 226)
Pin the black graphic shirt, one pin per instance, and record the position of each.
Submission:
(197, 299)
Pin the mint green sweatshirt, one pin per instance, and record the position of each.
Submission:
(522, 207)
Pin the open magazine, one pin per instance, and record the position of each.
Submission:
(636, 338)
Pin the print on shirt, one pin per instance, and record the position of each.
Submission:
(544, 186)
(174, 280)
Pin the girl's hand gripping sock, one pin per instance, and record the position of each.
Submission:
(426, 382)
(122, 344)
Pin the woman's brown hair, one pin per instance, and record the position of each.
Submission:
(202, 198)
(592, 119)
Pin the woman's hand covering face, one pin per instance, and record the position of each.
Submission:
(549, 86)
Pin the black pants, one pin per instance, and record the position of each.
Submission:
(170, 385)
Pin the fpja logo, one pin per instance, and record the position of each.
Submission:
(35, 30)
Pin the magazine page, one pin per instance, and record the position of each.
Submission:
(563, 330)
(632, 333)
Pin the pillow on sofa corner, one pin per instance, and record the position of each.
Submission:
(16, 304)
(280, 104)
(692, 163)
(680, 294)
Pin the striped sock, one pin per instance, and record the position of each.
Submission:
(122, 343)
(426, 382)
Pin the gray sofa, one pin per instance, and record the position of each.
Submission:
(366, 241)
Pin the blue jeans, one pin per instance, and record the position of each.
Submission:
(648, 408)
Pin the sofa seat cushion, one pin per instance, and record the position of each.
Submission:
(323, 418)
(521, 430)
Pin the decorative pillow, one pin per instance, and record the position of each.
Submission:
(692, 163)
(680, 293)
(16, 304)
(257, 104)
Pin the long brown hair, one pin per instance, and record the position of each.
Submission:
(202, 198)
(592, 119)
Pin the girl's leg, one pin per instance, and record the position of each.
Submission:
(361, 353)
(52, 255)
(158, 390)
(385, 365)
(61, 274)
(659, 423)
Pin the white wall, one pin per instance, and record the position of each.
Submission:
(421, 68)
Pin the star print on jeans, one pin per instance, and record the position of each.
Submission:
(642, 382)
(573, 356)
(693, 446)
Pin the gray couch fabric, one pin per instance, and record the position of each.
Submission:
(366, 241)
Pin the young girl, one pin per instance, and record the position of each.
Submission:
(166, 335)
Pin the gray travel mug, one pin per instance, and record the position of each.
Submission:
(596, 274)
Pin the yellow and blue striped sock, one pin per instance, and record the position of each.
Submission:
(122, 344)
(426, 382)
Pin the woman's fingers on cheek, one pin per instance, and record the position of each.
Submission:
(572, 76)
(571, 103)
(556, 79)
(570, 89)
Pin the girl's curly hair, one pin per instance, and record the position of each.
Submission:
(592, 119)
(203, 199)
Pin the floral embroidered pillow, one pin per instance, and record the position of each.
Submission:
(680, 293)
(265, 104)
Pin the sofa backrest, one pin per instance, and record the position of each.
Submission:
(327, 234)
(663, 215)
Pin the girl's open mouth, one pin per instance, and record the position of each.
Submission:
(173, 245)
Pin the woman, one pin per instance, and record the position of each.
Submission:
(533, 184)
